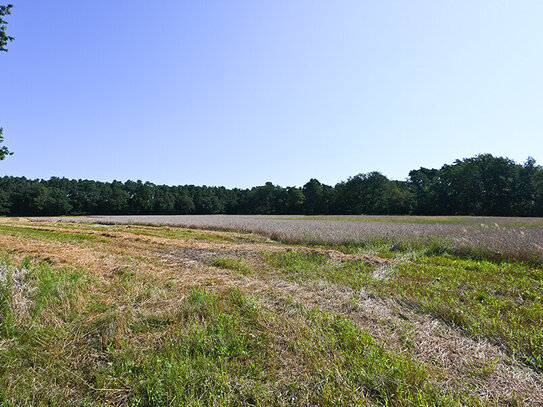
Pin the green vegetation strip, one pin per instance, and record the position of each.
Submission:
(39, 234)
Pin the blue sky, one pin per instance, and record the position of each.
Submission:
(238, 93)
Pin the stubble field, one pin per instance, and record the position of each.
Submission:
(271, 311)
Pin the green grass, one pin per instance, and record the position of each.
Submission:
(497, 301)
(222, 349)
(501, 302)
(307, 266)
(233, 264)
(39, 234)
(82, 341)
(33, 364)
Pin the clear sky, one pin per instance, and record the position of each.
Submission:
(237, 93)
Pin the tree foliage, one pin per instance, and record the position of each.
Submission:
(4, 151)
(483, 185)
(4, 38)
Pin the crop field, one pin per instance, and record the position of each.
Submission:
(254, 310)
(500, 238)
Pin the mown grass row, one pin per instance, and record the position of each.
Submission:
(81, 233)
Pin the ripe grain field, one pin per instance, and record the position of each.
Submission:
(219, 310)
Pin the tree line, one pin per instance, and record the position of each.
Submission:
(482, 185)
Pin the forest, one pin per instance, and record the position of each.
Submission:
(483, 185)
